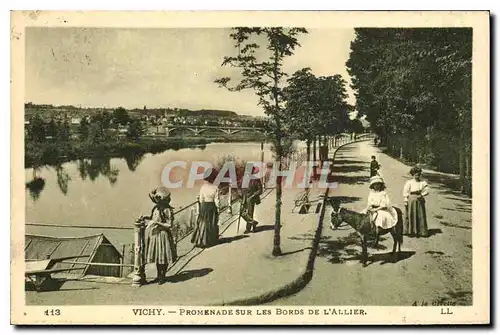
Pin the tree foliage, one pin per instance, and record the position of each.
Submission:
(414, 86)
(120, 116)
(316, 106)
(135, 129)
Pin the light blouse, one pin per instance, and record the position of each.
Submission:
(386, 217)
(209, 193)
(415, 186)
(378, 199)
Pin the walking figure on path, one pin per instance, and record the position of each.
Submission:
(251, 198)
(160, 245)
(206, 233)
(414, 192)
(374, 167)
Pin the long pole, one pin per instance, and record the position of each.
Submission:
(230, 200)
(239, 216)
(100, 264)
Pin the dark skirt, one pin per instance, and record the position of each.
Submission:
(160, 247)
(416, 217)
(206, 233)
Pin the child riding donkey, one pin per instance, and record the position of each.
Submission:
(378, 218)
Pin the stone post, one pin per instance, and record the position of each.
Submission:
(139, 276)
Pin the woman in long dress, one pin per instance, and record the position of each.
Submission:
(383, 215)
(206, 233)
(414, 192)
(160, 244)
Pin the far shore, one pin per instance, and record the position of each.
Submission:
(56, 153)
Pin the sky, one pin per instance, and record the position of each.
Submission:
(158, 68)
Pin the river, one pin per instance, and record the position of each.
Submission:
(113, 192)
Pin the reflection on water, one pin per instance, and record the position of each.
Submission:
(62, 179)
(114, 191)
(95, 167)
(133, 160)
(35, 187)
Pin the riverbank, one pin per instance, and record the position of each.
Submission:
(58, 152)
(221, 275)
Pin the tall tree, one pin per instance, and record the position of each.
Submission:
(262, 72)
(121, 117)
(83, 128)
(63, 131)
(316, 107)
(414, 85)
(36, 129)
(302, 104)
(135, 129)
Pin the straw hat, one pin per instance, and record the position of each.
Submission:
(375, 180)
(159, 194)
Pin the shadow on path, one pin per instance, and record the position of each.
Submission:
(224, 240)
(449, 224)
(461, 298)
(348, 168)
(188, 274)
(387, 257)
(343, 199)
(349, 180)
(294, 252)
(258, 229)
(450, 184)
(459, 208)
(348, 162)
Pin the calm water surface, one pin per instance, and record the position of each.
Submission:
(113, 192)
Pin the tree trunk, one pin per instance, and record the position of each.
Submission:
(401, 144)
(461, 162)
(468, 173)
(277, 221)
(308, 150)
(279, 154)
(314, 149)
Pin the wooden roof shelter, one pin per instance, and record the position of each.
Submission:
(72, 257)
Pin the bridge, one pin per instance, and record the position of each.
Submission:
(197, 130)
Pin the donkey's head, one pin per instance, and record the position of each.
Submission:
(336, 218)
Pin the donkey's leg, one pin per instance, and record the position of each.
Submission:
(395, 237)
(364, 256)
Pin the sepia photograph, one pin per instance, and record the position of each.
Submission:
(250, 168)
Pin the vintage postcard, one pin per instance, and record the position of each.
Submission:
(250, 168)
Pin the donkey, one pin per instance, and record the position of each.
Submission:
(361, 223)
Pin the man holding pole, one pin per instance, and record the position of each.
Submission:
(251, 198)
